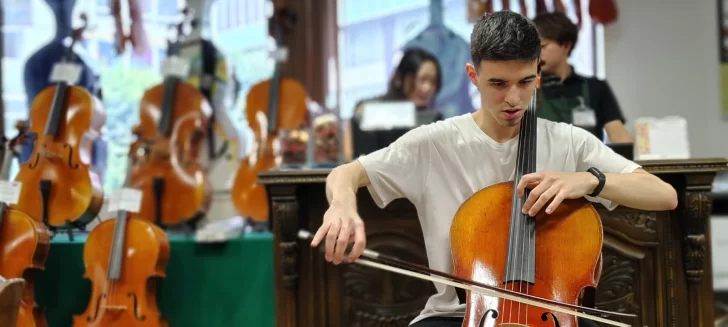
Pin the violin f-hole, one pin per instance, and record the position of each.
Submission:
(494, 314)
(545, 317)
(70, 156)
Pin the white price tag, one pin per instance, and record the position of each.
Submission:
(175, 66)
(127, 199)
(10, 191)
(67, 72)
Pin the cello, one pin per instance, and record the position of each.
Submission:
(271, 105)
(123, 258)
(59, 186)
(172, 120)
(24, 243)
(533, 269)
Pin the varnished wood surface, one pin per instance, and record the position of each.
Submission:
(656, 264)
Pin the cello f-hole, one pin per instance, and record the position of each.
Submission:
(545, 317)
(494, 314)
(34, 164)
(96, 312)
(70, 156)
(136, 308)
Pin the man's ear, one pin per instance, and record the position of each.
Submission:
(472, 74)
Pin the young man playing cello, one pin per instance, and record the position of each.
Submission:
(438, 166)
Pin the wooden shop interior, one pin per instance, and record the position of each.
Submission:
(280, 93)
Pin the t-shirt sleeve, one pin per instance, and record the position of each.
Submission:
(608, 104)
(591, 152)
(399, 170)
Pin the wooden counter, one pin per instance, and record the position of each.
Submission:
(656, 264)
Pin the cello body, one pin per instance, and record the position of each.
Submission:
(169, 155)
(25, 243)
(130, 300)
(565, 242)
(64, 134)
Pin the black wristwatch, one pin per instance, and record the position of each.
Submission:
(602, 179)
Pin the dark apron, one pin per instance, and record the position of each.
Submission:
(561, 109)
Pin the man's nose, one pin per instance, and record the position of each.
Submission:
(512, 97)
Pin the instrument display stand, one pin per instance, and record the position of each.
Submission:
(68, 227)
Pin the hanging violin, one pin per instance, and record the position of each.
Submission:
(173, 116)
(59, 187)
(271, 105)
(24, 245)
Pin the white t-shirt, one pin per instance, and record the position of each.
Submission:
(438, 166)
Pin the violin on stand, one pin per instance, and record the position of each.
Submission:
(173, 116)
(271, 105)
(517, 270)
(124, 258)
(24, 241)
(24, 246)
(59, 186)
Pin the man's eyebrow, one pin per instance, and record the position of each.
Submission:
(498, 80)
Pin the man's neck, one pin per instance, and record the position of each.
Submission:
(563, 71)
(495, 131)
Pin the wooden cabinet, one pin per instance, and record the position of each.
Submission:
(656, 264)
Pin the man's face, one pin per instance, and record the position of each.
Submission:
(505, 88)
(553, 55)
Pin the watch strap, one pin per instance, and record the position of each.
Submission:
(602, 179)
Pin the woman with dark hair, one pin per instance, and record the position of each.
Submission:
(417, 78)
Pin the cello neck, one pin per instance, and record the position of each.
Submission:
(117, 242)
(521, 255)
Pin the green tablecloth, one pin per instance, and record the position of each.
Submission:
(207, 285)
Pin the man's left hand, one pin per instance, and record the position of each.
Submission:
(548, 185)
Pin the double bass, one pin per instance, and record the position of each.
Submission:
(271, 105)
(59, 186)
(517, 270)
(173, 116)
(124, 258)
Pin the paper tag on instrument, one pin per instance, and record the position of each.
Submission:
(175, 66)
(280, 54)
(10, 191)
(66, 72)
(126, 199)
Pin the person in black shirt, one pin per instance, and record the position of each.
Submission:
(567, 97)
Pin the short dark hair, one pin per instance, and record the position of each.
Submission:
(557, 27)
(504, 36)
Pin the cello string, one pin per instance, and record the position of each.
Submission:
(514, 226)
(527, 135)
(533, 156)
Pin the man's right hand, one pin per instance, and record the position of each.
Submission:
(342, 224)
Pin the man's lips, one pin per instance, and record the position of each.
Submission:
(512, 113)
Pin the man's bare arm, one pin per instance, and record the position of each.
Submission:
(639, 190)
(343, 182)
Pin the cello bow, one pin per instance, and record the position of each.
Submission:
(373, 259)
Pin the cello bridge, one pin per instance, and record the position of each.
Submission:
(115, 308)
(512, 325)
